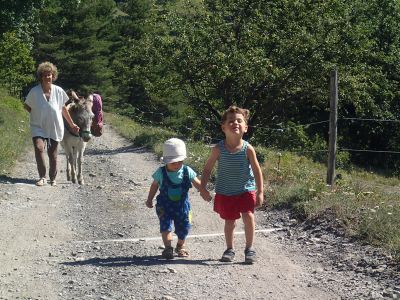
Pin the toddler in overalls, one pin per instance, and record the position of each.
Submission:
(173, 207)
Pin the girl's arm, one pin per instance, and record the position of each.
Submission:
(152, 193)
(251, 155)
(205, 176)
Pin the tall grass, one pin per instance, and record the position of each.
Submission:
(14, 131)
(366, 204)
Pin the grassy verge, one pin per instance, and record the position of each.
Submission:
(14, 131)
(366, 204)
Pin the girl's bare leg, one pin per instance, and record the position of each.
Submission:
(229, 229)
(249, 228)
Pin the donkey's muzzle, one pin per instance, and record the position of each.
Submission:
(85, 135)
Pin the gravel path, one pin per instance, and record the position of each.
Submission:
(99, 241)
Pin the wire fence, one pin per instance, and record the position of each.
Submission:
(279, 128)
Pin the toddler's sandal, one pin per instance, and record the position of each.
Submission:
(168, 253)
(182, 252)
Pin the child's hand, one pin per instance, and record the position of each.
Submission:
(259, 199)
(149, 203)
(205, 195)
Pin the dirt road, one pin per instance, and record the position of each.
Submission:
(99, 241)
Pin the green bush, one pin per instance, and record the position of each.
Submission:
(14, 130)
(343, 161)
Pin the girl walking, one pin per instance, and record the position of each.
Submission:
(239, 183)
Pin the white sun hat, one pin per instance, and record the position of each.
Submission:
(173, 150)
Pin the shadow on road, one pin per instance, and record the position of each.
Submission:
(6, 179)
(126, 149)
(135, 261)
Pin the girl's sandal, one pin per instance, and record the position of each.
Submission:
(182, 252)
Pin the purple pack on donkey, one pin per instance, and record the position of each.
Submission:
(97, 109)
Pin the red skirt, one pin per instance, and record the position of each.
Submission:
(231, 207)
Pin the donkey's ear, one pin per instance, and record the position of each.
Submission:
(89, 104)
(81, 100)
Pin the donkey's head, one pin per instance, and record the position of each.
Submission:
(82, 115)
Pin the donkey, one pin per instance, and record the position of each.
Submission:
(74, 145)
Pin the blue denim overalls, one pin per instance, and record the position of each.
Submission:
(173, 205)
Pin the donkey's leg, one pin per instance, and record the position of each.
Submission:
(80, 162)
(68, 159)
(67, 145)
(73, 165)
(71, 172)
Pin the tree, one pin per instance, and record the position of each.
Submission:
(374, 94)
(16, 63)
(75, 35)
(20, 17)
(274, 58)
(269, 56)
(129, 51)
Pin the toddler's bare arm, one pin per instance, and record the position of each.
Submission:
(152, 193)
(203, 191)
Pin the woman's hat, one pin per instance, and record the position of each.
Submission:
(174, 150)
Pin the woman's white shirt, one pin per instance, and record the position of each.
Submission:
(46, 116)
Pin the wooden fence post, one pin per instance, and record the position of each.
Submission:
(330, 178)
